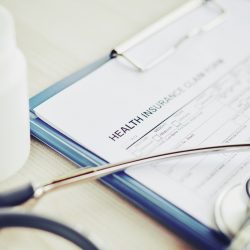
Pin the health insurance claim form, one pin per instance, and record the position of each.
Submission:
(198, 96)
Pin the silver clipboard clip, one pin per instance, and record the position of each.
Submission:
(195, 31)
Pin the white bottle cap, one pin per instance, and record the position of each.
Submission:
(7, 33)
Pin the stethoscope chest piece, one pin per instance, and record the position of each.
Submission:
(231, 210)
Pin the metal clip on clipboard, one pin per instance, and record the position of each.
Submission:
(121, 50)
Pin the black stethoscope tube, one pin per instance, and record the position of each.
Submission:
(17, 197)
(9, 219)
(24, 220)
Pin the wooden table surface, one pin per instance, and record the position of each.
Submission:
(57, 38)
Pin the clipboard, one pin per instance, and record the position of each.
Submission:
(162, 210)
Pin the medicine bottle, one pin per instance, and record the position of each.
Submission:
(14, 114)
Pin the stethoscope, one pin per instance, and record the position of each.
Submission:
(231, 211)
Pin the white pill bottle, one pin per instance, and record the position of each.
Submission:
(14, 114)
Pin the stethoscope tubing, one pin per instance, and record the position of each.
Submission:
(92, 173)
(28, 191)
(25, 220)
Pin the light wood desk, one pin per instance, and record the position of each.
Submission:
(59, 37)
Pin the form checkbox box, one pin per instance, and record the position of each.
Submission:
(176, 123)
(156, 138)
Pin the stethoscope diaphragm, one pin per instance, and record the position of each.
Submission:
(231, 209)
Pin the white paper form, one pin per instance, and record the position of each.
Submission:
(199, 96)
